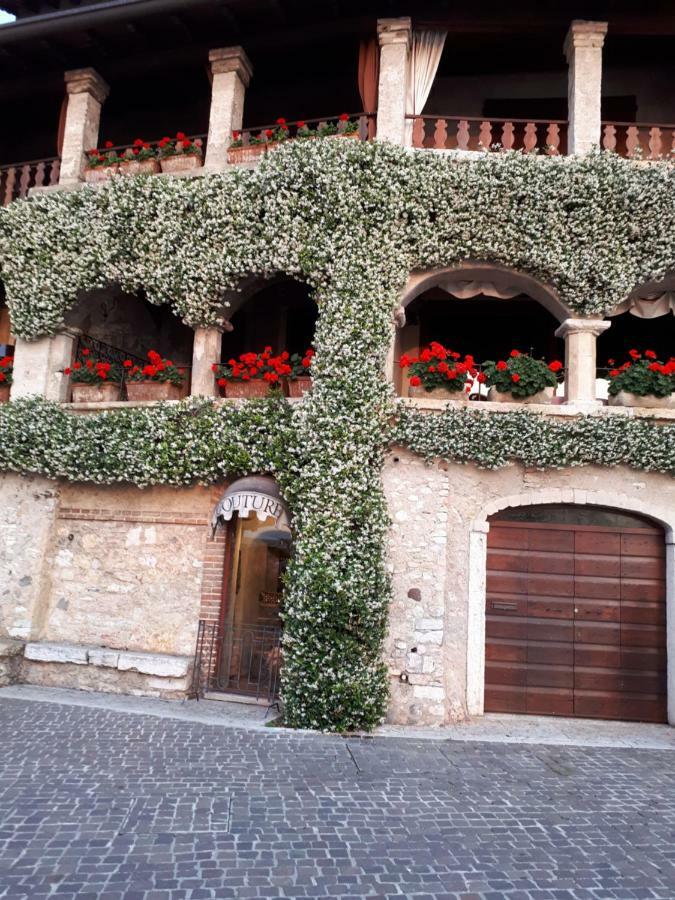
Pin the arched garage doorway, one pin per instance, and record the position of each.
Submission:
(576, 614)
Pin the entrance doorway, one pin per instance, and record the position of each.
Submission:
(576, 614)
(239, 652)
(250, 655)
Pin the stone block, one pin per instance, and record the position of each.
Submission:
(429, 691)
(46, 651)
(154, 664)
(103, 656)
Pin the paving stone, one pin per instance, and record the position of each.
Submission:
(100, 804)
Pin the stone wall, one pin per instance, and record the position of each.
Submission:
(28, 509)
(436, 559)
(85, 569)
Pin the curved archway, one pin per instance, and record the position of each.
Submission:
(277, 312)
(662, 521)
(645, 320)
(506, 282)
(479, 308)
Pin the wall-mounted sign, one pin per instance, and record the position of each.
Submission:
(255, 495)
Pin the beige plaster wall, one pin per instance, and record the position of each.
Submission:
(436, 559)
(28, 507)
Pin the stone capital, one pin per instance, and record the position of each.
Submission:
(583, 34)
(70, 331)
(86, 81)
(231, 59)
(582, 326)
(394, 31)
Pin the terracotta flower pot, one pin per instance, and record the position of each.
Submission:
(4, 393)
(100, 173)
(245, 390)
(182, 162)
(298, 387)
(249, 153)
(139, 167)
(544, 396)
(438, 393)
(105, 392)
(626, 398)
(153, 390)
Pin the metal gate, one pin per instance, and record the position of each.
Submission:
(241, 659)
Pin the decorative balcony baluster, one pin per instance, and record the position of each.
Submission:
(455, 133)
(18, 178)
(637, 140)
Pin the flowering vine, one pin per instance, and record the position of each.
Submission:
(351, 219)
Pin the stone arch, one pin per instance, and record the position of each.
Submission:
(501, 276)
(475, 659)
(280, 296)
(468, 279)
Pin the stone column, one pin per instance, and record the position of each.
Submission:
(394, 36)
(205, 352)
(39, 365)
(580, 358)
(86, 93)
(583, 49)
(232, 71)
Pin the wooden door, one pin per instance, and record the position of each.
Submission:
(575, 621)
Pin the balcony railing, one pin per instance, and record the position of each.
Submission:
(456, 133)
(639, 140)
(18, 178)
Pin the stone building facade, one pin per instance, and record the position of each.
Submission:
(105, 587)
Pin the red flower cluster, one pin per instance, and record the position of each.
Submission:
(6, 369)
(157, 369)
(251, 366)
(92, 370)
(643, 375)
(437, 366)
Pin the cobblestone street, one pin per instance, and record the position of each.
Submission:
(101, 804)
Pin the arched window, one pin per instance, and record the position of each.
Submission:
(481, 310)
(281, 315)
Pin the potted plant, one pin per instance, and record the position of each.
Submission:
(179, 154)
(344, 127)
(139, 159)
(6, 374)
(521, 379)
(643, 380)
(158, 380)
(252, 374)
(94, 381)
(299, 378)
(102, 164)
(439, 372)
(239, 152)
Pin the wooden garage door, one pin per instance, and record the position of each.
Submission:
(575, 620)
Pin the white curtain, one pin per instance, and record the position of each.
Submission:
(648, 307)
(425, 55)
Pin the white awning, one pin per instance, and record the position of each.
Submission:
(256, 495)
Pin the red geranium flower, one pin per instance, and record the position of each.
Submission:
(514, 354)
(108, 144)
(501, 366)
(555, 366)
(634, 354)
(85, 352)
(415, 381)
(515, 377)
(281, 121)
(650, 354)
(344, 117)
(269, 132)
